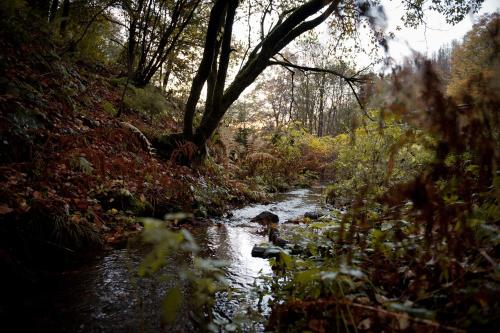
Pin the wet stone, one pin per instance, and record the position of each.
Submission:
(266, 252)
(313, 215)
(266, 217)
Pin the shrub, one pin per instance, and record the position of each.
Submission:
(374, 158)
(109, 108)
(148, 101)
(291, 156)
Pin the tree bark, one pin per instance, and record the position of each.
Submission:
(321, 105)
(132, 32)
(53, 10)
(214, 25)
(283, 33)
(64, 17)
(168, 71)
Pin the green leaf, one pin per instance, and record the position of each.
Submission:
(171, 304)
(286, 260)
(190, 244)
(85, 165)
(306, 276)
(354, 272)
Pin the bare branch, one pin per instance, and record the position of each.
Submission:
(353, 79)
(112, 20)
(359, 101)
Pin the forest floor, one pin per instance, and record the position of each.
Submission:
(77, 169)
(73, 174)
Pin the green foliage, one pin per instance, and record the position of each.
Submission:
(453, 10)
(171, 304)
(24, 121)
(242, 135)
(109, 108)
(375, 157)
(149, 101)
(65, 233)
(314, 272)
(312, 150)
(292, 157)
(11, 7)
(210, 197)
(11, 12)
(95, 46)
(419, 238)
(205, 276)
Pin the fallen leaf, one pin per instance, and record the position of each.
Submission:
(365, 324)
(75, 218)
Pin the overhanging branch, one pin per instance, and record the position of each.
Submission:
(352, 79)
(349, 79)
(359, 101)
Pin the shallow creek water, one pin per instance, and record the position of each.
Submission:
(105, 296)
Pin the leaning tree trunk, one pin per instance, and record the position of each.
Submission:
(214, 72)
(64, 17)
(53, 10)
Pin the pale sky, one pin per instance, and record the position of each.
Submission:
(427, 40)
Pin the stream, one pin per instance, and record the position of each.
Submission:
(104, 295)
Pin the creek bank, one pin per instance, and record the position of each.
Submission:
(73, 175)
(104, 293)
(78, 164)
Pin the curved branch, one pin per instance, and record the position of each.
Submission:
(74, 43)
(359, 102)
(352, 79)
(349, 79)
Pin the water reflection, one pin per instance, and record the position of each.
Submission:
(106, 296)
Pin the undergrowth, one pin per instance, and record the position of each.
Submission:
(417, 247)
(74, 174)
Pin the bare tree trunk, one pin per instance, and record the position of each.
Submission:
(132, 32)
(64, 17)
(209, 53)
(168, 71)
(53, 10)
(321, 105)
(292, 100)
(284, 32)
